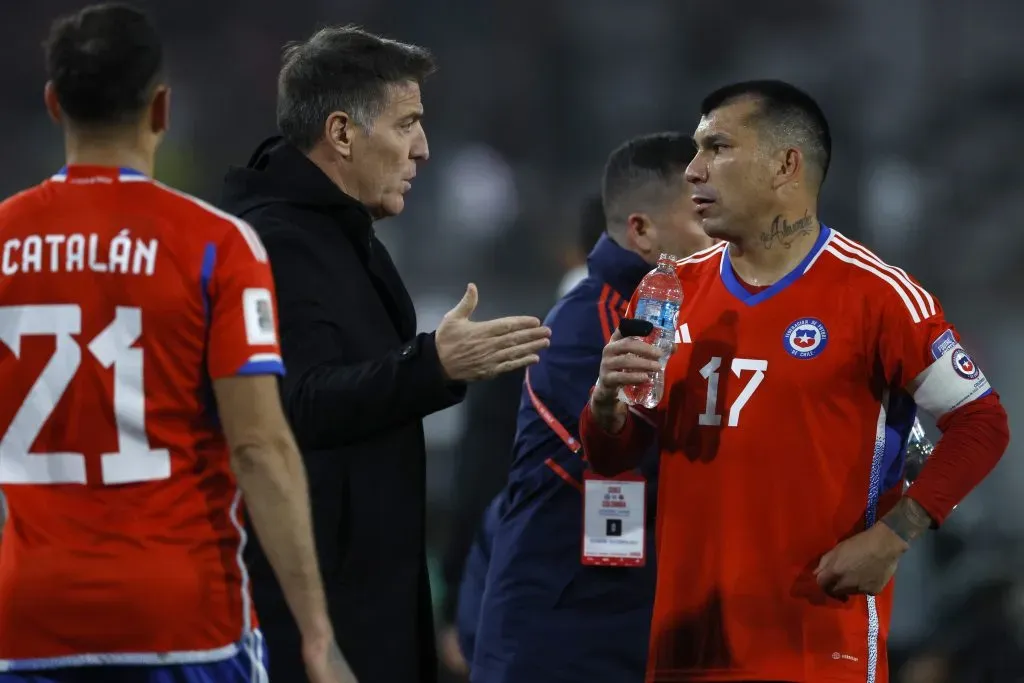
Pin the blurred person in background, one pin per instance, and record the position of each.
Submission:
(360, 379)
(802, 349)
(160, 345)
(591, 227)
(482, 470)
(545, 616)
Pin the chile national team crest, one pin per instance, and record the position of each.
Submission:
(965, 365)
(805, 338)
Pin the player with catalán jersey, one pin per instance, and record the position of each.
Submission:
(139, 359)
(801, 361)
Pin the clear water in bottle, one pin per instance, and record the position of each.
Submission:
(659, 297)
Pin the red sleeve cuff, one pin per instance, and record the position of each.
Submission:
(611, 454)
(974, 438)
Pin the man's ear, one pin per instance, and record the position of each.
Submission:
(52, 103)
(160, 110)
(789, 164)
(340, 129)
(640, 232)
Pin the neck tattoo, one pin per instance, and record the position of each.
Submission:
(784, 234)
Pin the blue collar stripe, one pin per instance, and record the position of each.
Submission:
(738, 290)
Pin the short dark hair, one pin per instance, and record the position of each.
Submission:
(638, 172)
(788, 114)
(104, 62)
(592, 223)
(342, 69)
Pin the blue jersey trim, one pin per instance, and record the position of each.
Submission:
(262, 367)
(206, 275)
(900, 416)
(122, 170)
(243, 661)
(205, 278)
(737, 289)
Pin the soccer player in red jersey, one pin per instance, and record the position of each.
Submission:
(801, 361)
(139, 360)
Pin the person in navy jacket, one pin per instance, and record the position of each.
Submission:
(543, 616)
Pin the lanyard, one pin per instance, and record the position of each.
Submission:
(558, 428)
(551, 421)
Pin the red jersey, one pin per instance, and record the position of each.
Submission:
(782, 431)
(121, 300)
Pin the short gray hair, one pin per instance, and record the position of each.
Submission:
(342, 69)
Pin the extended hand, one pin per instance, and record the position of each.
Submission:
(862, 564)
(471, 350)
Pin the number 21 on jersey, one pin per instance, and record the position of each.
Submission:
(710, 372)
(134, 460)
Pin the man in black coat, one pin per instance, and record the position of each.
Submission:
(359, 379)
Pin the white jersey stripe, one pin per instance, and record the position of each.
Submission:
(248, 234)
(121, 658)
(828, 241)
(852, 250)
(264, 358)
(236, 521)
(864, 265)
(875, 257)
(701, 256)
(870, 519)
(919, 291)
(702, 252)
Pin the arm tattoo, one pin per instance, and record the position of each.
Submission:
(785, 233)
(908, 519)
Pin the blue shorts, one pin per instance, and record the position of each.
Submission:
(248, 666)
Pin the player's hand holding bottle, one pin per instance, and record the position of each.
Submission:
(624, 362)
(325, 663)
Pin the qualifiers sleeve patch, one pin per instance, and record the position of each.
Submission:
(258, 311)
(943, 344)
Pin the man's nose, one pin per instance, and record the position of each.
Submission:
(420, 150)
(696, 171)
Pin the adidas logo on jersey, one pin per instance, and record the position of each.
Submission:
(683, 334)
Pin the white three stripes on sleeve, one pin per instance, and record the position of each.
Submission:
(918, 301)
(704, 254)
(259, 252)
(917, 290)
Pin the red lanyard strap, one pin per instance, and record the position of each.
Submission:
(550, 420)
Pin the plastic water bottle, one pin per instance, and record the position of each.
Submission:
(919, 449)
(659, 297)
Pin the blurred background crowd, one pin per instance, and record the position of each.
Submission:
(926, 102)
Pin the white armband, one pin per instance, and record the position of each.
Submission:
(950, 382)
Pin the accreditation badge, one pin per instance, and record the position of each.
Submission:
(614, 517)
